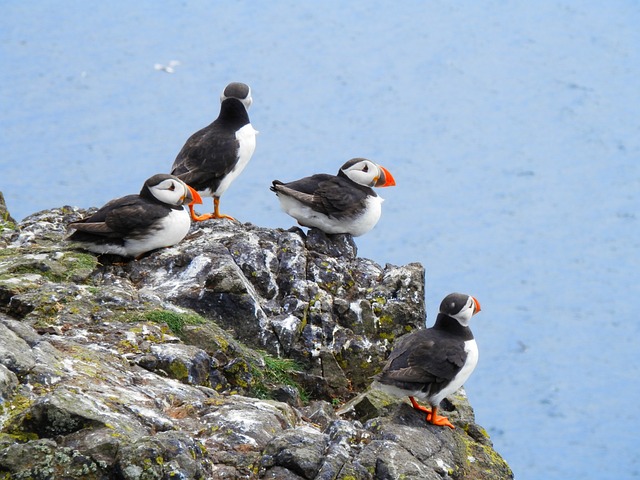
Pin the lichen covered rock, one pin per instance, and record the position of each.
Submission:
(222, 357)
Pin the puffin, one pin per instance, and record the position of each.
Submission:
(214, 156)
(432, 363)
(133, 225)
(342, 203)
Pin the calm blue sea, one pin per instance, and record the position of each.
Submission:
(512, 129)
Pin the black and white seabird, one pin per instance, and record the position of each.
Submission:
(435, 362)
(343, 203)
(214, 156)
(135, 224)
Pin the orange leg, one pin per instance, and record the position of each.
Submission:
(432, 415)
(208, 216)
(199, 218)
(216, 210)
(421, 408)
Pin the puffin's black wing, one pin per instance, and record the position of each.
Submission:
(206, 157)
(118, 218)
(424, 360)
(328, 194)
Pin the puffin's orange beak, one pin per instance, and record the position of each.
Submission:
(195, 196)
(477, 303)
(386, 179)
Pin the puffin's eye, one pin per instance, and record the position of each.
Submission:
(172, 187)
(366, 168)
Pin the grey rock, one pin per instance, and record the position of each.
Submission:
(60, 413)
(320, 413)
(399, 444)
(300, 450)
(45, 459)
(221, 357)
(15, 354)
(287, 394)
(99, 444)
(247, 421)
(8, 383)
(164, 455)
(338, 246)
(186, 363)
(275, 294)
(25, 332)
(280, 473)
(342, 436)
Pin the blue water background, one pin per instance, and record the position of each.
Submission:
(512, 129)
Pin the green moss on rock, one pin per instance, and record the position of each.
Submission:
(175, 320)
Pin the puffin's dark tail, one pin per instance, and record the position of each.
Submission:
(274, 184)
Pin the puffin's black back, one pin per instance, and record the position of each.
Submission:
(212, 152)
(119, 219)
(424, 360)
(334, 195)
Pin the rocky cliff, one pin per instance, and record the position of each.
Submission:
(243, 352)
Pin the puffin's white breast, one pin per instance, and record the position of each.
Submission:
(471, 347)
(356, 226)
(166, 232)
(246, 137)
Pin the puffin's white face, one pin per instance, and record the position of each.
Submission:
(172, 192)
(247, 101)
(365, 173)
(469, 310)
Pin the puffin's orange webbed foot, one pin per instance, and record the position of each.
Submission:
(432, 416)
(216, 211)
(223, 216)
(210, 216)
(436, 419)
(440, 421)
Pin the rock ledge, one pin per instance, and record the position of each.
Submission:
(243, 352)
